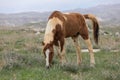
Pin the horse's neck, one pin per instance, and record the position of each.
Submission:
(48, 37)
(48, 30)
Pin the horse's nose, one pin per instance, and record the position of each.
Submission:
(47, 67)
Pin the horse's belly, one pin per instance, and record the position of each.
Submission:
(72, 33)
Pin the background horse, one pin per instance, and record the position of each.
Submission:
(61, 26)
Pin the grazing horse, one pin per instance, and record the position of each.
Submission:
(64, 25)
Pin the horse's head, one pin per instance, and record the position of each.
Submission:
(48, 52)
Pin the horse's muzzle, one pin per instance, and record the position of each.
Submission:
(47, 67)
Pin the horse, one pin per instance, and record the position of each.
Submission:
(63, 25)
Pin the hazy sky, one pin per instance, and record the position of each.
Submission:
(13, 6)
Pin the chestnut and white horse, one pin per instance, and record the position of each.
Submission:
(61, 26)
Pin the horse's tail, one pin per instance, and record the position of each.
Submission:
(95, 26)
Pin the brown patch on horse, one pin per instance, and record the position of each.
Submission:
(75, 25)
(58, 36)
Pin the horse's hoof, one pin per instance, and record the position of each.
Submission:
(92, 65)
(79, 63)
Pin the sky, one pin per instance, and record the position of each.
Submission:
(16, 6)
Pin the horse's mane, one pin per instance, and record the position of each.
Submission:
(51, 25)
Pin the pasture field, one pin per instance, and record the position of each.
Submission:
(21, 58)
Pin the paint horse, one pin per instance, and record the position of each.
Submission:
(64, 25)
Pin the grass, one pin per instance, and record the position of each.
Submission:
(21, 58)
(32, 67)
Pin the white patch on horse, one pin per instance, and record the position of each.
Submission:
(47, 57)
(65, 18)
(66, 13)
(50, 27)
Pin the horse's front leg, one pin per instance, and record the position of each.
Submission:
(62, 54)
(58, 49)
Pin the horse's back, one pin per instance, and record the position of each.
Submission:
(72, 23)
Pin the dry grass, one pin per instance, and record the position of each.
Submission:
(21, 58)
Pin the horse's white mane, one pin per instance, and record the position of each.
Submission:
(50, 27)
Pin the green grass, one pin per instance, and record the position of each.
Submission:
(21, 58)
(32, 67)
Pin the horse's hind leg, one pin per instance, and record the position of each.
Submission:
(90, 48)
(78, 50)
(85, 36)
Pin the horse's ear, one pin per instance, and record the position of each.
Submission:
(43, 43)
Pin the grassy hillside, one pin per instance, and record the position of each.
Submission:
(108, 15)
(21, 58)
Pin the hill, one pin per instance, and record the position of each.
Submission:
(20, 19)
(108, 15)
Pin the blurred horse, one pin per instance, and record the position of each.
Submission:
(64, 25)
